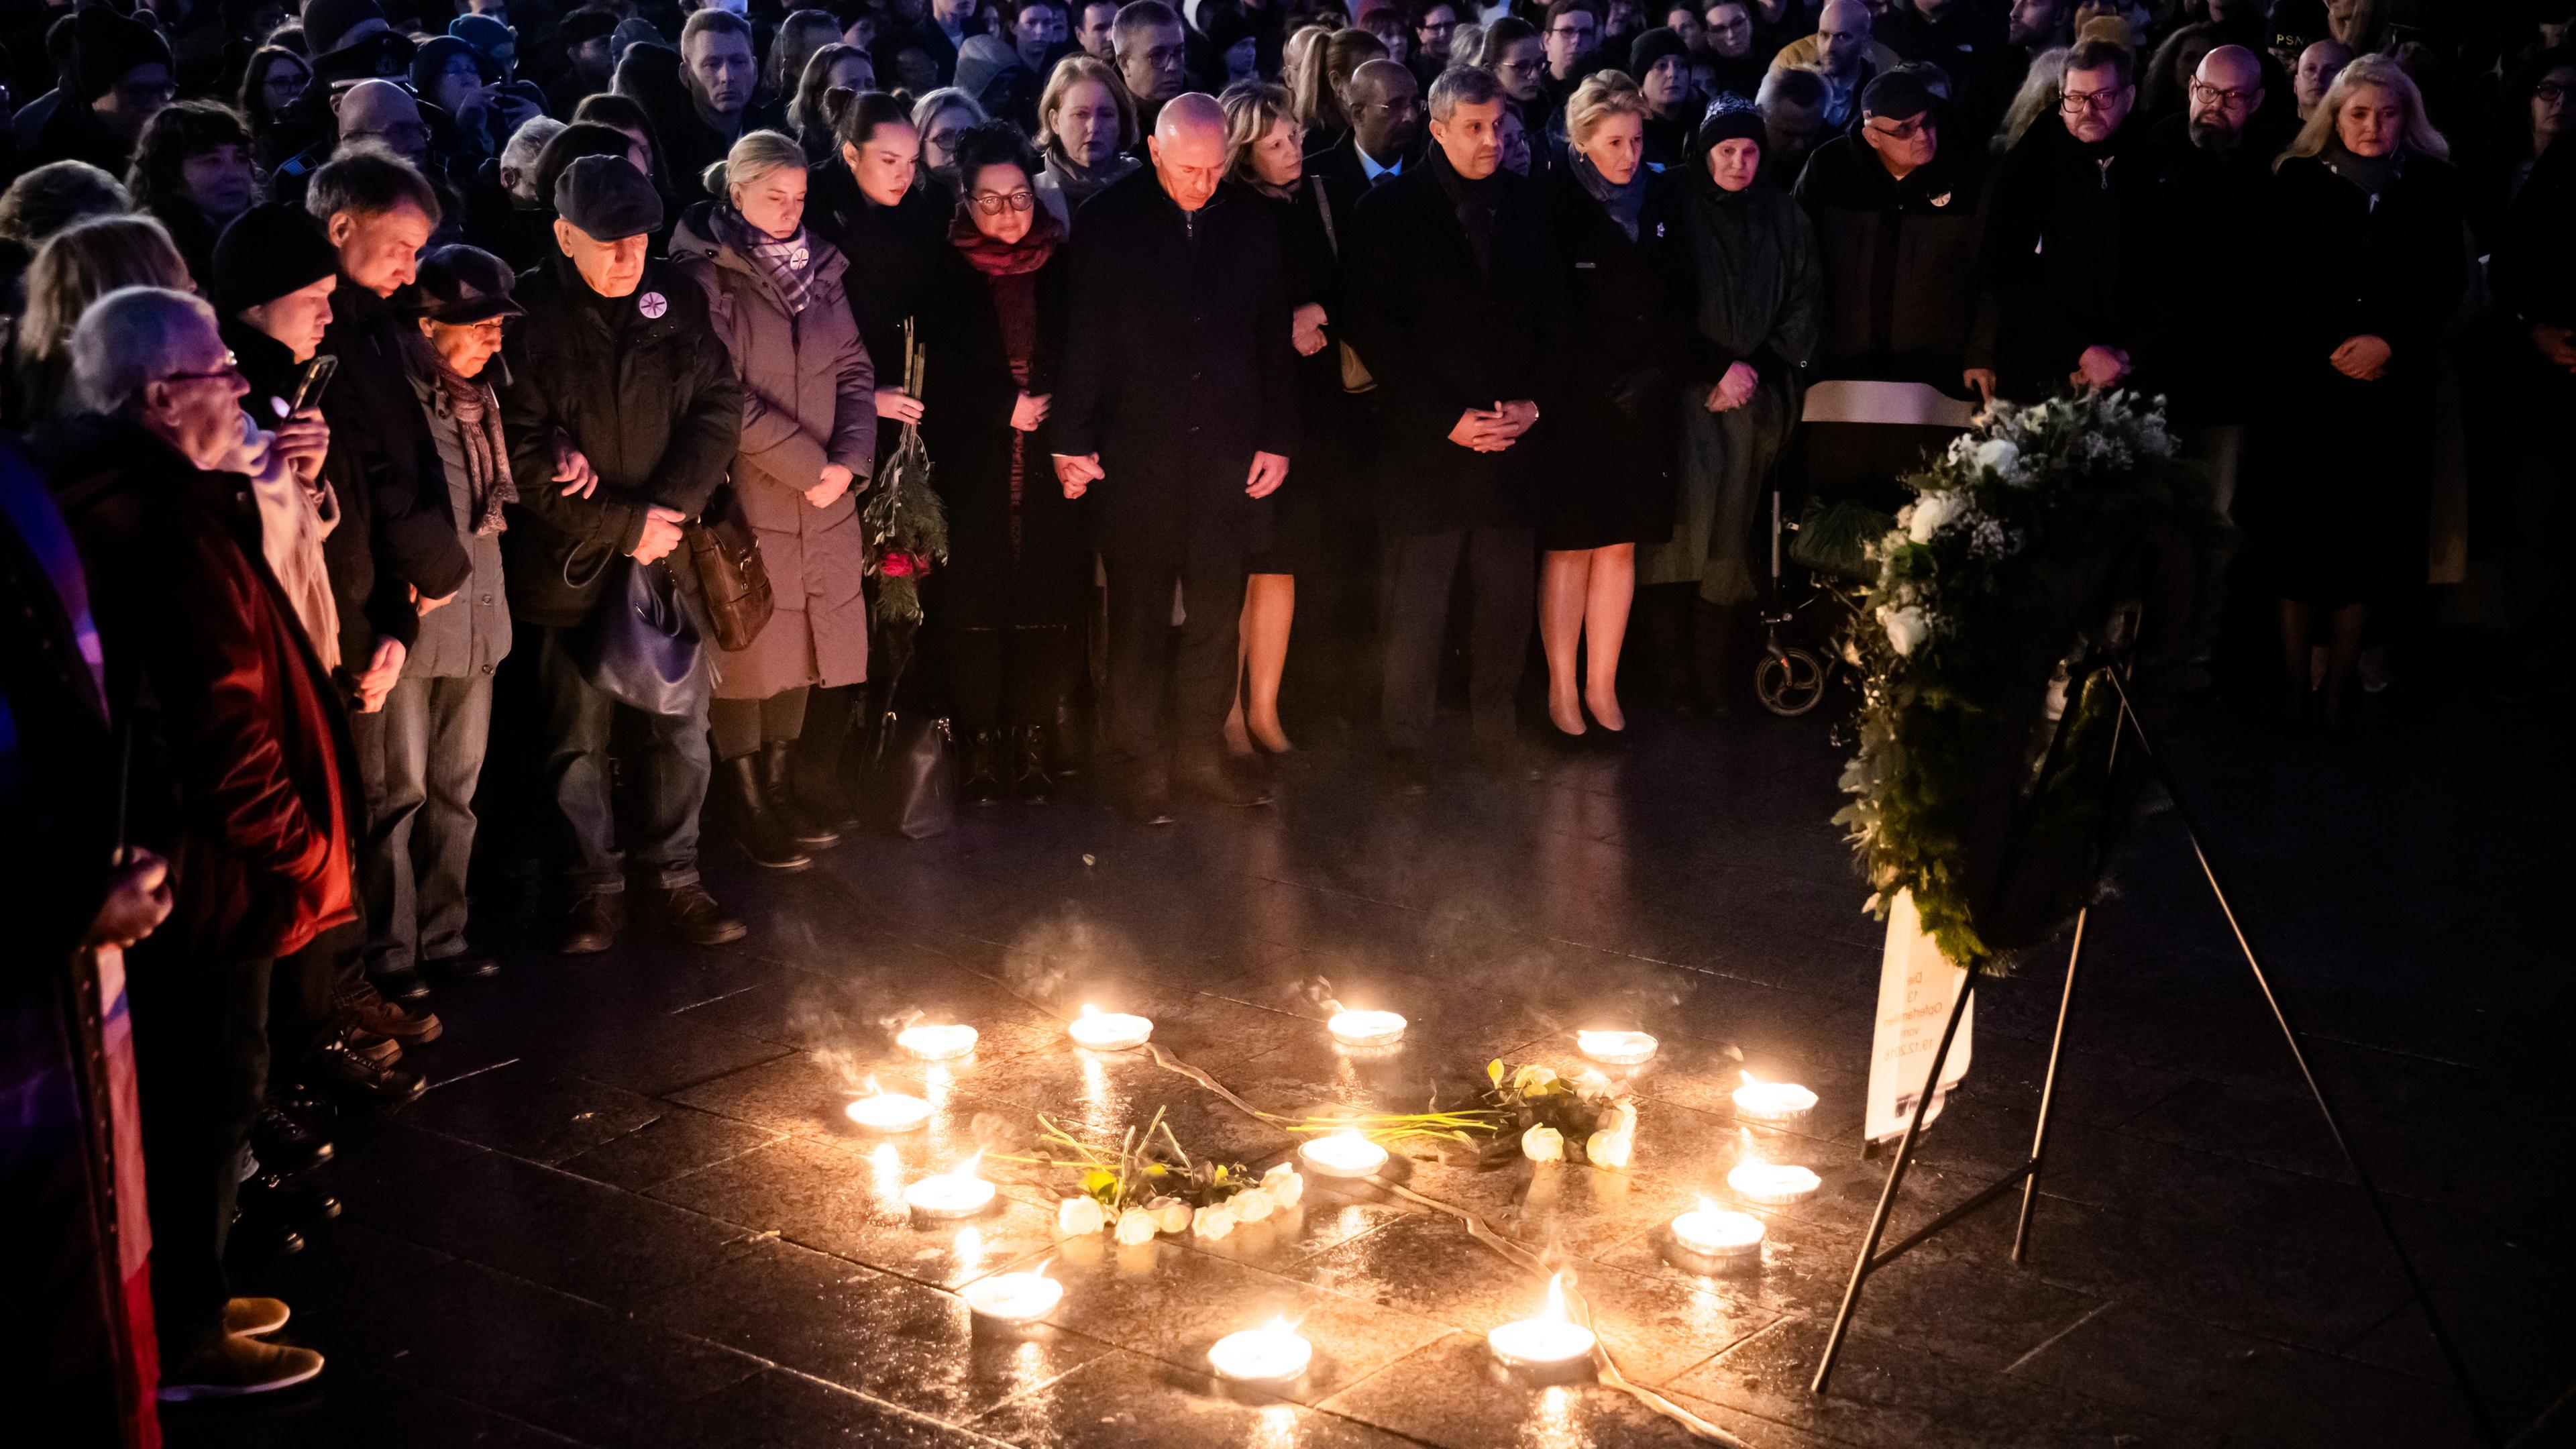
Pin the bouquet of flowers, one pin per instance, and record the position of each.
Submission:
(1589, 1119)
(1151, 1185)
(905, 524)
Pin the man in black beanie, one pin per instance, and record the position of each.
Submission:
(120, 78)
(615, 362)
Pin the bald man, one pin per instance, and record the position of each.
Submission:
(384, 113)
(1385, 103)
(1175, 408)
(1842, 52)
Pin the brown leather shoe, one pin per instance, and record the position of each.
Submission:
(252, 1317)
(408, 1025)
(694, 917)
(590, 923)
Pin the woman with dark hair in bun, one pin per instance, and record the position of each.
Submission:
(1019, 569)
(865, 203)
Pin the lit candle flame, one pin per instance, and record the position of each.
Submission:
(1554, 1311)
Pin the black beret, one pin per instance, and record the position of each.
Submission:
(1898, 96)
(607, 199)
(462, 284)
(267, 252)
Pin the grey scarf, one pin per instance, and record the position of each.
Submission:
(1624, 203)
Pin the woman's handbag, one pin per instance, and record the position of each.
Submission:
(731, 578)
(908, 776)
(639, 646)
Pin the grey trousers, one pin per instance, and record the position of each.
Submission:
(1502, 570)
(421, 758)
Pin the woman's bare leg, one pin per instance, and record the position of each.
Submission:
(1605, 629)
(1269, 609)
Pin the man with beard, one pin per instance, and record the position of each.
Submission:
(2062, 249)
(1386, 129)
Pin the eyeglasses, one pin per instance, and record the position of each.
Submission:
(231, 368)
(1440, 27)
(1577, 31)
(2550, 91)
(993, 203)
(1905, 130)
(2209, 94)
(2076, 103)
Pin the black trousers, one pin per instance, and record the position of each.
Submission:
(1202, 680)
(1009, 677)
(200, 1069)
(1502, 572)
(742, 726)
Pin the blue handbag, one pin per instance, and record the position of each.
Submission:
(639, 646)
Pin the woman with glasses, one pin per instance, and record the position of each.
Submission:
(1019, 569)
(809, 427)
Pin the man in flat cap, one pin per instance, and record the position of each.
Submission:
(616, 361)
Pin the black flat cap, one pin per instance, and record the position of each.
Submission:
(1898, 96)
(461, 284)
(607, 199)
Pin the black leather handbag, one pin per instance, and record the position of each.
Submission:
(639, 646)
(908, 778)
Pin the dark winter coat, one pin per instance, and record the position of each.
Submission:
(1611, 446)
(1899, 262)
(651, 400)
(1442, 336)
(2338, 499)
(1177, 369)
(2206, 286)
(809, 399)
(395, 535)
(2063, 252)
(1310, 524)
(892, 252)
(243, 773)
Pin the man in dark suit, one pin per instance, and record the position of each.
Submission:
(1385, 135)
(1456, 299)
(1178, 400)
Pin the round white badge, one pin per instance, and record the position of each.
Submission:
(653, 304)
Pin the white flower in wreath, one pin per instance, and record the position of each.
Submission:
(1136, 1226)
(1931, 513)
(1543, 1144)
(1078, 1216)
(1998, 453)
(1906, 628)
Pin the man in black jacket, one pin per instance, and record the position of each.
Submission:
(1178, 400)
(1456, 298)
(1385, 135)
(615, 379)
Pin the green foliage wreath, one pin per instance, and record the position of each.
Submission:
(1981, 782)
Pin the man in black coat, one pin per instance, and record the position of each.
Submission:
(1457, 302)
(1385, 136)
(615, 380)
(1179, 400)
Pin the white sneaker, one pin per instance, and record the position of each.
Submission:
(237, 1364)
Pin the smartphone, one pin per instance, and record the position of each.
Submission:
(309, 384)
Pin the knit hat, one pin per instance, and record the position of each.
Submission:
(1731, 118)
(1898, 96)
(106, 45)
(462, 284)
(430, 61)
(497, 42)
(606, 199)
(1652, 46)
(268, 251)
(326, 21)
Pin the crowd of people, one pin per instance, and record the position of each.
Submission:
(378, 377)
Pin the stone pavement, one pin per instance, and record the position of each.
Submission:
(626, 1217)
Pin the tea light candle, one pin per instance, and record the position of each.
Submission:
(1366, 1028)
(1108, 1031)
(936, 1043)
(888, 1111)
(1775, 1183)
(1271, 1354)
(1714, 1232)
(1014, 1298)
(1761, 1101)
(1343, 1154)
(956, 1193)
(1550, 1340)
(1616, 1048)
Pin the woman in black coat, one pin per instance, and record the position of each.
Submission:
(1309, 531)
(1019, 569)
(869, 203)
(1610, 483)
(2368, 241)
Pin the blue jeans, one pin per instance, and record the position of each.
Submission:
(669, 769)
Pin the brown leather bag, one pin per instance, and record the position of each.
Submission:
(732, 583)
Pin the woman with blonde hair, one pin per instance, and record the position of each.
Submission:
(78, 265)
(809, 424)
(1086, 128)
(1610, 483)
(2370, 252)
(2043, 89)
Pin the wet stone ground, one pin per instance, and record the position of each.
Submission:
(629, 1213)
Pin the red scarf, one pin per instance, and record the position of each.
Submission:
(1005, 259)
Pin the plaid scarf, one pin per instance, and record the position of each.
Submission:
(788, 262)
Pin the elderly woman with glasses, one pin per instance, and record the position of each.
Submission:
(1019, 569)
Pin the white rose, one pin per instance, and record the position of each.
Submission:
(1170, 1214)
(1213, 1223)
(1543, 1144)
(1251, 1205)
(1997, 453)
(1136, 1225)
(1610, 1149)
(1906, 628)
(1077, 1216)
(1931, 512)
(1622, 1117)
(1530, 1079)
(1283, 1185)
